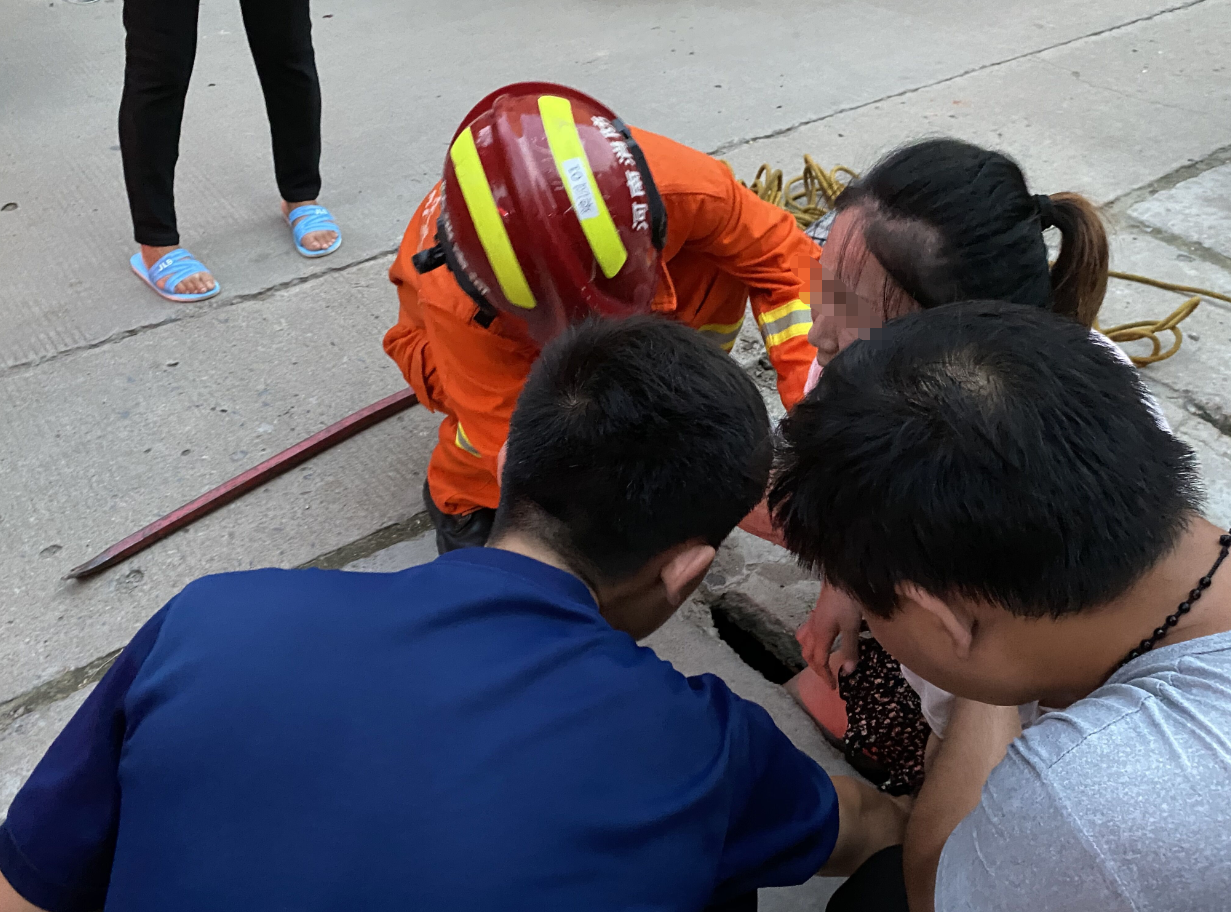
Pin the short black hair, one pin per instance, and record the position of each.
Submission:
(983, 450)
(632, 436)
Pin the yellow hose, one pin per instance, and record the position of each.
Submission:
(811, 196)
(1149, 329)
(808, 197)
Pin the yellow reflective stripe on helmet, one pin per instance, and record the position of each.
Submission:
(463, 442)
(477, 193)
(786, 321)
(724, 334)
(578, 177)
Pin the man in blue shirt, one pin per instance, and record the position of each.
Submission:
(478, 733)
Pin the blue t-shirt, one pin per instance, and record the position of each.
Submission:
(469, 734)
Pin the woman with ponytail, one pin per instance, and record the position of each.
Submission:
(941, 221)
(934, 222)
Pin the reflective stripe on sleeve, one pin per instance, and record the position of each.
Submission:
(463, 442)
(724, 334)
(787, 321)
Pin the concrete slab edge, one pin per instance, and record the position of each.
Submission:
(56, 689)
(1117, 212)
(1127, 200)
(191, 312)
(368, 545)
(73, 680)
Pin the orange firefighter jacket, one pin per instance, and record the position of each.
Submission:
(724, 247)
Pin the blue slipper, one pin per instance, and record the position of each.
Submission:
(305, 220)
(176, 266)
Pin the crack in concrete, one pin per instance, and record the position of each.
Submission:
(1211, 414)
(1203, 410)
(202, 310)
(730, 146)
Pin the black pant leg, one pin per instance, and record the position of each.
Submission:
(160, 46)
(280, 36)
(878, 886)
(469, 530)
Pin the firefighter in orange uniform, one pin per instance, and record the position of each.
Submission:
(552, 210)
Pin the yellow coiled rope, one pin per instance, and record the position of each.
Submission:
(808, 197)
(811, 196)
(1150, 329)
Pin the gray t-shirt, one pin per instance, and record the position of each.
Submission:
(1120, 802)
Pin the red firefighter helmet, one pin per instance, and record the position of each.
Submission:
(549, 212)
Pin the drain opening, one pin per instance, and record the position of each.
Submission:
(763, 644)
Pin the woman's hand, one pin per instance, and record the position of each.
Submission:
(836, 613)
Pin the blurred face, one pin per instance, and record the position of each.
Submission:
(857, 295)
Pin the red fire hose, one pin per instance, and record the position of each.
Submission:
(241, 484)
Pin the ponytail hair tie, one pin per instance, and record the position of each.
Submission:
(1047, 210)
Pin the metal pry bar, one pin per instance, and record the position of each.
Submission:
(241, 484)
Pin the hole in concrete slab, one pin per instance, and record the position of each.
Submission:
(764, 644)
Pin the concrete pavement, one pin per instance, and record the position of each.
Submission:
(116, 407)
(113, 437)
(396, 79)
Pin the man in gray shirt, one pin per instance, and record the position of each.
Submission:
(1121, 801)
(992, 489)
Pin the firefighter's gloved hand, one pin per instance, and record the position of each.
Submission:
(835, 616)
